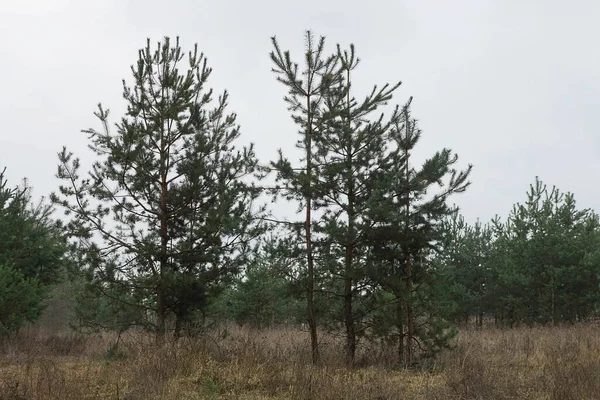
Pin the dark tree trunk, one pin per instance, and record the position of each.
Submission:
(407, 258)
(349, 321)
(409, 313)
(160, 289)
(400, 327)
(179, 322)
(350, 245)
(310, 310)
(164, 240)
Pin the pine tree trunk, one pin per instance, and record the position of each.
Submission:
(409, 313)
(178, 327)
(400, 327)
(409, 278)
(312, 323)
(350, 244)
(349, 321)
(160, 287)
(553, 306)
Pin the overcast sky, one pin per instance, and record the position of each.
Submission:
(512, 86)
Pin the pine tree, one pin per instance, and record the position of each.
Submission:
(264, 296)
(543, 268)
(33, 255)
(348, 151)
(406, 218)
(168, 203)
(464, 266)
(307, 91)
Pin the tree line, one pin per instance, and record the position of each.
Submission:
(170, 229)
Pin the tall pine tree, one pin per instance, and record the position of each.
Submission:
(307, 91)
(168, 202)
(349, 150)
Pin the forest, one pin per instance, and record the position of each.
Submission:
(179, 279)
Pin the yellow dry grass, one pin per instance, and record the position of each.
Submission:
(525, 363)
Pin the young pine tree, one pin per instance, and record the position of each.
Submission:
(307, 91)
(406, 217)
(167, 204)
(33, 256)
(349, 150)
(465, 269)
(547, 243)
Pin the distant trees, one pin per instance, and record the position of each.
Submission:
(539, 266)
(33, 257)
(465, 268)
(167, 214)
(263, 297)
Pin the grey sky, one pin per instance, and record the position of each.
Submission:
(512, 86)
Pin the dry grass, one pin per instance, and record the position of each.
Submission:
(538, 363)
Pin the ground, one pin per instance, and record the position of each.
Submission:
(524, 363)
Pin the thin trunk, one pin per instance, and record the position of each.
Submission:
(178, 327)
(350, 244)
(553, 306)
(400, 327)
(409, 278)
(163, 258)
(409, 313)
(310, 311)
(160, 289)
(348, 317)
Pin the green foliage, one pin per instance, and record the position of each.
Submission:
(165, 225)
(375, 210)
(406, 216)
(262, 299)
(32, 256)
(547, 244)
(114, 353)
(348, 152)
(211, 386)
(464, 265)
(30, 240)
(539, 266)
(307, 101)
(167, 213)
(20, 299)
(109, 306)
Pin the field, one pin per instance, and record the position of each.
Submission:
(524, 363)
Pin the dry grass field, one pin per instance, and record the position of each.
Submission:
(559, 363)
